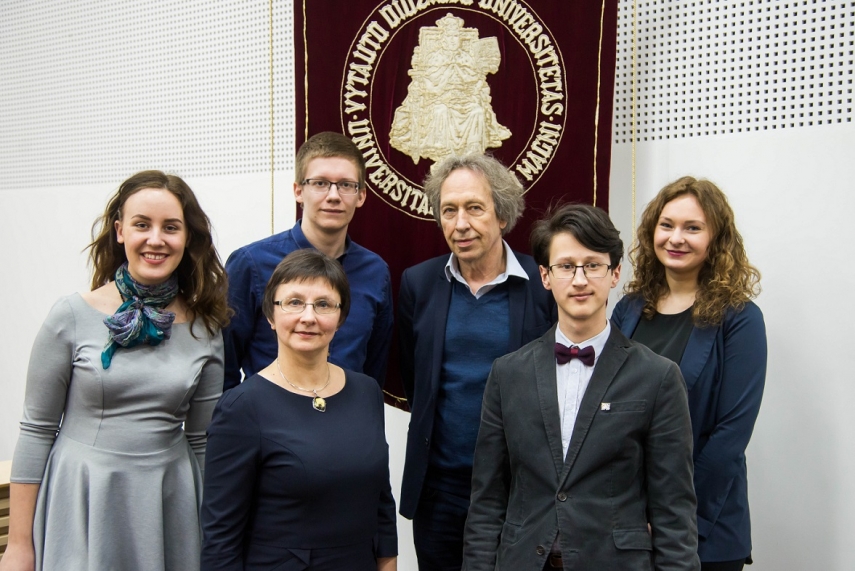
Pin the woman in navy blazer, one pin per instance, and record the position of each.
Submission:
(297, 471)
(690, 300)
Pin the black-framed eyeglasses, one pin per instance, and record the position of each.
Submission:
(568, 271)
(322, 185)
(295, 305)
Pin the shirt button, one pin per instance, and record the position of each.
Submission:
(562, 497)
(427, 442)
(540, 550)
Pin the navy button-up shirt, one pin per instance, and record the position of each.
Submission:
(361, 344)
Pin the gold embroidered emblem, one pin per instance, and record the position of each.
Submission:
(448, 110)
(446, 107)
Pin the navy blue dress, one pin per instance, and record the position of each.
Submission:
(291, 488)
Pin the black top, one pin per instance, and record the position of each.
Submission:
(666, 335)
(282, 477)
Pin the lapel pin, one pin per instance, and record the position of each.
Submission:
(605, 406)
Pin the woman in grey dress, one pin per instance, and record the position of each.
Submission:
(121, 385)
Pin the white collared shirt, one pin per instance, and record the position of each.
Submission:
(512, 268)
(573, 378)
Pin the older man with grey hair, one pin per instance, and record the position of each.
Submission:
(456, 314)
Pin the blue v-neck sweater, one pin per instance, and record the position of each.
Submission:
(476, 333)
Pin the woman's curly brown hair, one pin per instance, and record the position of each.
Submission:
(726, 279)
(201, 277)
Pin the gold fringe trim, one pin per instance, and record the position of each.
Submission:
(597, 109)
(272, 124)
(634, 107)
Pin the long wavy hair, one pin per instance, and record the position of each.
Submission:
(726, 280)
(201, 278)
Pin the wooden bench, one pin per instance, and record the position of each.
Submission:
(5, 470)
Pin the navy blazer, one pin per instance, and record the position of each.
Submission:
(725, 370)
(422, 311)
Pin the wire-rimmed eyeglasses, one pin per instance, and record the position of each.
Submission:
(319, 306)
(322, 185)
(591, 270)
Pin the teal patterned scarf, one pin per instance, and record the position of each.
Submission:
(140, 319)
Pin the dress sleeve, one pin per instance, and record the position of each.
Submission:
(742, 379)
(386, 540)
(204, 399)
(48, 378)
(491, 481)
(237, 336)
(232, 463)
(377, 353)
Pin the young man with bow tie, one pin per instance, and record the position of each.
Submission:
(584, 455)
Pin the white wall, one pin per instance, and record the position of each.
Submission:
(93, 92)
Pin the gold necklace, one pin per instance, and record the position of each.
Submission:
(318, 403)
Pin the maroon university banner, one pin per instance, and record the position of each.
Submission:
(414, 81)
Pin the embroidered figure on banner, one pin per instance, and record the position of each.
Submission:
(448, 106)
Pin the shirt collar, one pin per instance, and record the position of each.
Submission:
(512, 268)
(598, 341)
(303, 243)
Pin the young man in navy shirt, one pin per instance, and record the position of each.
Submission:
(329, 187)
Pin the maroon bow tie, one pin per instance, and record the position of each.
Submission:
(565, 354)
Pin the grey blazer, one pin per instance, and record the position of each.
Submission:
(629, 463)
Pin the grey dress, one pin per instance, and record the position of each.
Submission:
(120, 479)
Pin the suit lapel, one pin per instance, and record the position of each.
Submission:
(631, 318)
(547, 394)
(697, 353)
(439, 305)
(609, 363)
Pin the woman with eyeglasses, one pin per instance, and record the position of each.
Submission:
(297, 472)
(121, 386)
(690, 300)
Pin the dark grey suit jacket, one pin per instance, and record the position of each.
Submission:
(629, 463)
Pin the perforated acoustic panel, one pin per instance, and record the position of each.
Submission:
(723, 66)
(94, 91)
